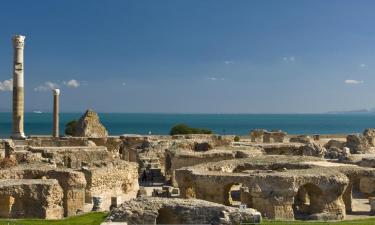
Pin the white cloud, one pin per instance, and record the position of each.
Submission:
(47, 86)
(353, 81)
(362, 65)
(6, 85)
(72, 83)
(228, 62)
(289, 58)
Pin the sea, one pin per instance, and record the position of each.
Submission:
(237, 124)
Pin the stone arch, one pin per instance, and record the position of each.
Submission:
(232, 194)
(307, 201)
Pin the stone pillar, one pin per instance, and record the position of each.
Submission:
(18, 87)
(56, 94)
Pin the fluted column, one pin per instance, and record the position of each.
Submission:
(18, 87)
(56, 95)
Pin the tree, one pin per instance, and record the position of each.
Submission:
(70, 127)
(185, 129)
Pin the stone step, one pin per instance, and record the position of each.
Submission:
(20, 147)
(20, 142)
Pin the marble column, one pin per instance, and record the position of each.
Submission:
(18, 87)
(56, 95)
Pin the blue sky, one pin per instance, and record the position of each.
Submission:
(211, 56)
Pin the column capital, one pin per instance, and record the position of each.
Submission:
(18, 41)
(56, 91)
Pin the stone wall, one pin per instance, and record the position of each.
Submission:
(73, 183)
(260, 135)
(34, 198)
(273, 184)
(117, 179)
(180, 211)
(73, 157)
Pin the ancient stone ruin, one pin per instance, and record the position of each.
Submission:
(163, 179)
(89, 125)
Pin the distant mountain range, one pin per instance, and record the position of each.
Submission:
(358, 111)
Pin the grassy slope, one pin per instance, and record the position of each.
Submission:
(89, 219)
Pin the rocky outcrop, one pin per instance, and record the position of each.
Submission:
(313, 149)
(89, 125)
(180, 211)
(301, 139)
(337, 153)
(369, 134)
(334, 143)
(202, 147)
(357, 144)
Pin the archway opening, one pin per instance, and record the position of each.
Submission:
(306, 201)
(233, 194)
(356, 202)
(167, 216)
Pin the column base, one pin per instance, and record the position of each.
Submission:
(19, 136)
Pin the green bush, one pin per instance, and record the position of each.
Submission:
(70, 127)
(185, 129)
(236, 138)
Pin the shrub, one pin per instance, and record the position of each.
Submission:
(184, 129)
(70, 127)
(236, 138)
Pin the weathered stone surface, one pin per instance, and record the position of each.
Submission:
(293, 148)
(107, 179)
(337, 153)
(89, 125)
(260, 135)
(73, 183)
(274, 184)
(367, 185)
(313, 149)
(334, 143)
(178, 158)
(179, 211)
(274, 136)
(9, 148)
(369, 134)
(257, 135)
(202, 147)
(301, 139)
(33, 198)
(361, 143)
(73, 157)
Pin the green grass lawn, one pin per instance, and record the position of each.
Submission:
(94, 218)
(97, 217)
